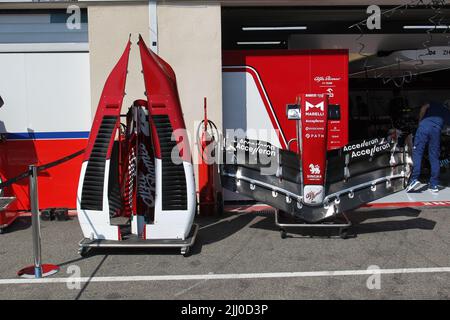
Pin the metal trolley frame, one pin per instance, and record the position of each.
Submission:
(132, 241)
(342, 227)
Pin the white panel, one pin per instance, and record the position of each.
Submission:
(243, 107)
(96, 224)
(45, 92)
(153, 25)
(58, 91)
(44, 47)
(172, 224)
(13, 114)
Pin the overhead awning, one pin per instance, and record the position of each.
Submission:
(401, 63)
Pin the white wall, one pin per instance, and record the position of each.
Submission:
(45, 92)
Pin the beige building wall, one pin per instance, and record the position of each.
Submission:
(189, 39)
(109, 28)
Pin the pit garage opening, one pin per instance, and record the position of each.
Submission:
(389, 72)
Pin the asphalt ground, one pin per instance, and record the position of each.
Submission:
(249, 258)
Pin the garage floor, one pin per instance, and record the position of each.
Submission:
(241, 256)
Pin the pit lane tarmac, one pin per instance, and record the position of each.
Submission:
(396, 253)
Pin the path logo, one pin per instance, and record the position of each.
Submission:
(319, 106)
(314, 169)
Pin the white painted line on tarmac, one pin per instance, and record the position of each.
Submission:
(230, 276)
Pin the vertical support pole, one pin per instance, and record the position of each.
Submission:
(153, 25)
(34, 203)
(37, 270)
(298, 128)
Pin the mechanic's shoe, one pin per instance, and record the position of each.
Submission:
(413, 184)
(434, 189)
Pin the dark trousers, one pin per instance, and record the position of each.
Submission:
(427, 135)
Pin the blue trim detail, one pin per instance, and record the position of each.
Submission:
(47, 135)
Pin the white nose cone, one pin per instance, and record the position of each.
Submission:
(313, 194)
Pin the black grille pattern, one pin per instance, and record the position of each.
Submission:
(92, 193)
(114, 199)
(174, 192)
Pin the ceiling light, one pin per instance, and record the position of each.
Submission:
(426, 27)
(257, 42)
(273, 28)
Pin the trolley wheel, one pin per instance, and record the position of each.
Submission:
(343, 233)
(83, 251)
(283, 234)
(185, 251)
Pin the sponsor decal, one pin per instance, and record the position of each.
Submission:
(319, 106)
(314, 168)
(368, 148)
(317, 112)
(255, 147)
(330, 92)
(310, 196)
(362, 144)
(314, 128)
(313, 194)
(142, 169)
(146, 180)
(253, 152)
(314, 136)
(326, 78)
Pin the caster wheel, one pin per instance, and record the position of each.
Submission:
(2, 230)
(47, 215)
(343, 233)
(185, 251)
(61, 214)
(83, 251)
(283, 234)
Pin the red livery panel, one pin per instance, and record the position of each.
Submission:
(57, 185)
(314, 110)
(163, 99)
(286, 74)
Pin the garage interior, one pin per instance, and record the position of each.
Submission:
(392, 71)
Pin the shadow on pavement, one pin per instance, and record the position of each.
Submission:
(21, 223)
(359, 219)
(90, 277)
(360, 223)
(218, 228)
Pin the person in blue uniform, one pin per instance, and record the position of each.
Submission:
(432, 119)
